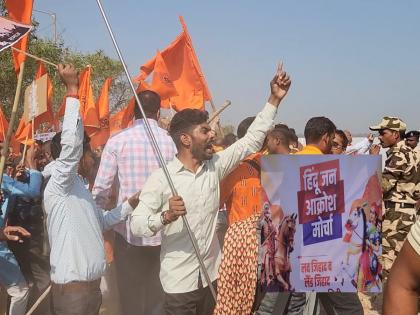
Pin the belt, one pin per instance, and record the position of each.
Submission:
(75, 286)
(392, 204)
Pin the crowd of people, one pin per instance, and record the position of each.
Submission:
(60, 199)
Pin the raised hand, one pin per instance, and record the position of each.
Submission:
(69, 77)
(279, 86)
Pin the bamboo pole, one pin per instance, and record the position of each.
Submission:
(35, 57)
(39, 301)
(5, 151)
(219, 111)
(222, 134)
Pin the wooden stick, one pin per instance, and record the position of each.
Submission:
(5, 151)
(219, 111)
(222, 134)
(35, 57)
(39, 301)
(25, 148)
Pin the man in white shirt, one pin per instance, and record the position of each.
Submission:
(196, 172)
(74, 222)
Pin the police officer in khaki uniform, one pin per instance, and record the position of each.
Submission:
(400, 194)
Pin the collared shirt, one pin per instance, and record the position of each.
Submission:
(200, 191)
(74, 222)
(401, 175)
(130, 155)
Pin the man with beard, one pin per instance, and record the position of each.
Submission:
(399, 179)
(196, 172)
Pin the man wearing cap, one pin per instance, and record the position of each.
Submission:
(399, 180)
(412, 140)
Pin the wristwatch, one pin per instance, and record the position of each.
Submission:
(163, 218)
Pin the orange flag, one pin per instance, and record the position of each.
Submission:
(161, 83)
(20, 11)
(123, 118)
(4, 125)
(184, 71)
(24, 132)
(88, 110)
(101, 137)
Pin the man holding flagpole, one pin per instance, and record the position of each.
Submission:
(196, 172)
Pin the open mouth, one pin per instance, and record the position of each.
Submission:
(209, 148)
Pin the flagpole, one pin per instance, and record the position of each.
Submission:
(219, 111)
(158, 152)
(35, 57)
(218, 123)
(5, 151)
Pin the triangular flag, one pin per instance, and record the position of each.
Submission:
(20, 11)
(101, 137)
(184, 71)
(88, 110)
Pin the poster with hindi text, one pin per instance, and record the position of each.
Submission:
(321, 223)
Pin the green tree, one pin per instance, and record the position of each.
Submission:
(103, 67)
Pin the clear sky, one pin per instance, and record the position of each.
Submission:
(352, 61)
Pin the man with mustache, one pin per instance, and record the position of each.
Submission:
(399, 180)
(196, 172)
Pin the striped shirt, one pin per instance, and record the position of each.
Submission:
(130, 156)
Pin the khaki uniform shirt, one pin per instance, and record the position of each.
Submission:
(400, 178)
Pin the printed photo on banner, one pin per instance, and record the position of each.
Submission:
(11, 32)
(321, 223)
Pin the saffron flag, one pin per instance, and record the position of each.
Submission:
(4, 126)
(88, 110)
(20, 11)
(23, 131)
(101, 137)
(123, 118)
(183, 69)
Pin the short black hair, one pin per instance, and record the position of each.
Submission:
(56, 144)
(244, 125)
(343, 136)
(281, 133)
(184, 121)
(151, 104)
(316, 127)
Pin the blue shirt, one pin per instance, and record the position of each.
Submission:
(74, 222)
(10, 273)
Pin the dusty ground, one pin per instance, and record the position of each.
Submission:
(372, 303)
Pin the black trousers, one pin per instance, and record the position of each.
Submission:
(342, 303)
(137, 271)
(197, 302)
(35, 266)
(81, 301)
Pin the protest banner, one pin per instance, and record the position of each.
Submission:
(321, 223)
(11, 32)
